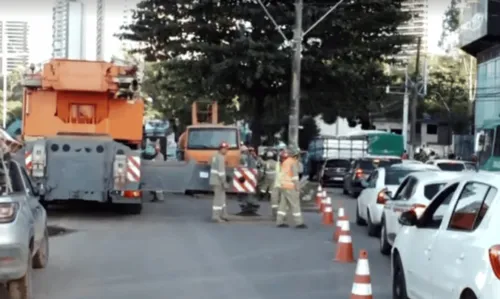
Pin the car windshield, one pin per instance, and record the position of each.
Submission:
(450, 166)
(337, 163)
(211, 138)
(395, 177)
(431, 190)
(371, 164)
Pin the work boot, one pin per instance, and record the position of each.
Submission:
(301, 226)
(218, 220)
(282, 225)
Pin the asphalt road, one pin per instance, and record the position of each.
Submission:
(171, 250)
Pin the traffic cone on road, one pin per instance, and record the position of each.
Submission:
(362, 286)
(345, 252)
(319, 195)
(328, 213)
(323, 202)
(341, 218)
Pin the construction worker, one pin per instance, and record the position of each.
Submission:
(275, 190)
(158, 194)
(219, 184)
(290, 191)
(268, 174)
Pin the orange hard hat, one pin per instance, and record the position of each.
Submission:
(223, 144)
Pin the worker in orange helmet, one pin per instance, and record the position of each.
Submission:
(219, 184)
(290, 190)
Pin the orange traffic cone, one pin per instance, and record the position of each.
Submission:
(319, 193)
(362, 286)
(323, 202)
(340, 220)
(345, 252)
(328, 213)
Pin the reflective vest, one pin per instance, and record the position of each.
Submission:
(287, 178)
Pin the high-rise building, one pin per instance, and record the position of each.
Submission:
(100, 30)
(68, 29)
(417, 26)
(15, 35)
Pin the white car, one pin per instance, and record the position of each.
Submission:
(449, 165)
(371, 200)
(453, 250)
(415, 192)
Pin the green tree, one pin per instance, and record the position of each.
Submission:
(450, 25)
(219, 50)
(448, 96)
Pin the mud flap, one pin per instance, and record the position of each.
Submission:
(308, 194)
(167, 176)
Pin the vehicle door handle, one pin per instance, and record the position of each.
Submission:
(461, 257)
(428, 250)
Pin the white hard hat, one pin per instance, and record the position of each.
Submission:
(269, 154)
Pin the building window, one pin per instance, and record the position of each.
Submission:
(432, 129)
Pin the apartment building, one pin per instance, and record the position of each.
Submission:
(68, 29)
(417, 26)
(13, 39)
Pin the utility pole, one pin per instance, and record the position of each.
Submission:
(298, 36)
(415, 95)
(294, 120)
(406, 108)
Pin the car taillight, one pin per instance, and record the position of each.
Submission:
(418, 209)
(382, 197)
(132, 194)
(8, 212)
(359, 172)
(494, 254)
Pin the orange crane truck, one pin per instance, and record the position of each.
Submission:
(197, 145)
(82, 128)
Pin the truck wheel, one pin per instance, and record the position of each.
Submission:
(132, 209)
(21, 288)
(41, 258)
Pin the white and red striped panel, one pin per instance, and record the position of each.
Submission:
(133, 169)
(28, 160)
(249, 184)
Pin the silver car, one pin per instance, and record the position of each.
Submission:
(24, 239)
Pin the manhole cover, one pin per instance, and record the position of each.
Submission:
(55, 231)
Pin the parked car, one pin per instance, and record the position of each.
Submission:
(333, 172)
(448, 165)
(453, 249)
(415, 192)
(372, 199)
(24, 239)
(360, 169)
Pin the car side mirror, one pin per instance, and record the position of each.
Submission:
(408, 218)
(388, 194)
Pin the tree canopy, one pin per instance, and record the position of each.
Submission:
(227, 50)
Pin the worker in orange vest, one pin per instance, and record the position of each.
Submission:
(290, 191)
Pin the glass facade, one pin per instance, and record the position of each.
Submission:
(488, 92)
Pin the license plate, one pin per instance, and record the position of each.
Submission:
(203, 174)
(338, 179)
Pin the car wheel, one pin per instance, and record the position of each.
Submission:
(398, 280)
(359, 221)
(21, 288)
(41, 258)
(468, 294)
(373, 230)
(385, 247)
